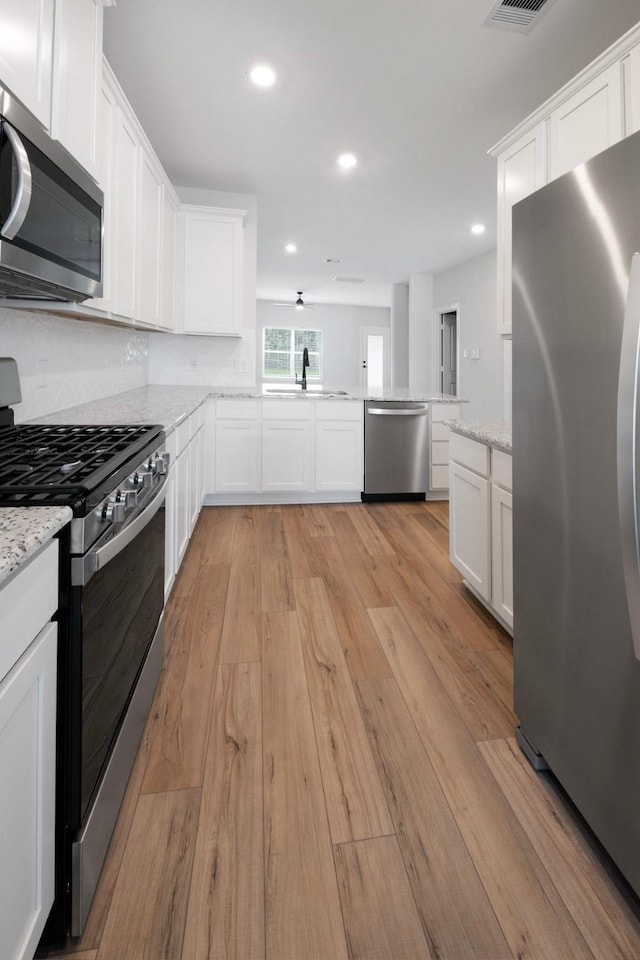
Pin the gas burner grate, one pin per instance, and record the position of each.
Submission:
(52, 463)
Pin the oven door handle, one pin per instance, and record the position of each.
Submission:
(83, 568)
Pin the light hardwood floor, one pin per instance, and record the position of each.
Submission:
(329, 768)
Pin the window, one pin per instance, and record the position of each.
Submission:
(282, 353)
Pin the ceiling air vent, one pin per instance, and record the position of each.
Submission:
(348, 279)
(517, 14)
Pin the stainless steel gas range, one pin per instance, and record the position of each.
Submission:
(111, 626)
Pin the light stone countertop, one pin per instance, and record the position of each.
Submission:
(494, 434)
(169, 405)
(24, 530)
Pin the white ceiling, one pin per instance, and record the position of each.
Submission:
(418, 90)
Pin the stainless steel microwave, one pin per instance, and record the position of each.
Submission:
(50, 214)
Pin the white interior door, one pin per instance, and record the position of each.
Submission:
(374, 366)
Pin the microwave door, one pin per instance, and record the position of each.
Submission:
(20, 190)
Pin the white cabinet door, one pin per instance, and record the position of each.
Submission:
(502, 552)
(587, 123)
(632, 91)
(287, 444)
(237, 456)
(150, 218)
(209, 442)
(237, 447)
(182, 513)
(521, 170)
(287, 455)
(469, 527)
(170, 550)
(339, 446)
(124, 223)
(26, 53)
(106, 179)
(194, 450)
(167, 318)
(339, 456)
(210, 284)
(77, 79)
(27, 796)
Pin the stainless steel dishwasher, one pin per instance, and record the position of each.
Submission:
(396, 450)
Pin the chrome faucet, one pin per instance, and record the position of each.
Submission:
(305, 364)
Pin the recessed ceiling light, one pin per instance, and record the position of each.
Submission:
(347, 160)
(291, 248)
(263, 75)
(478, 228)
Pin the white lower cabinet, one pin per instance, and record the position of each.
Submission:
(237, 453)
(480, 522)
(339, 444)
(469, 528)
(27, 753)
(502, 552)
(287, 445)
(185, 490)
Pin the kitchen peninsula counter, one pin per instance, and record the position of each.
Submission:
(23, 531)
(494, 434)
(170, 405)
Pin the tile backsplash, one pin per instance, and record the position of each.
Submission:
(203, 361)
(65, 362)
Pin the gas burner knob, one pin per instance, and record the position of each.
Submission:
(114, 512)
(128, 497)
(159, 464)
(143, 479)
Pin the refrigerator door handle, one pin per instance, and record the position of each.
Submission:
(627, 450)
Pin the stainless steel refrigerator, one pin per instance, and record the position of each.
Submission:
(576, 452)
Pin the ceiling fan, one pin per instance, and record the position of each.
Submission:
(299, 304)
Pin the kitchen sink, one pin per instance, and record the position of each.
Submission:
(283, 391)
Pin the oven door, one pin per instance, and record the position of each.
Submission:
(117, 632)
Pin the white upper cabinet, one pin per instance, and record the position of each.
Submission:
(587, 123)
(170, 205)
(632, 90)
(26, 54)
(210, 279)
(151, 239)
(106, 133)
(124, 223)
(593, 111)
(521, 170)
(77, 79)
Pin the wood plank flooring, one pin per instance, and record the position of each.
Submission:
(329, 771)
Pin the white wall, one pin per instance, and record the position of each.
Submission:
(222, 361)
(400, 335)
(421, 332)
(473, 286)
(340, 325)
(79, 361)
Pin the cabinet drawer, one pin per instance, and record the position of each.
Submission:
(27, 602)
(439, 477)
(444, 411)
(351, 410)
(439, 431)
(237, 409)
(501, 468)
(470, 453)
(287, 410)
(172, 446)
(440, 452)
